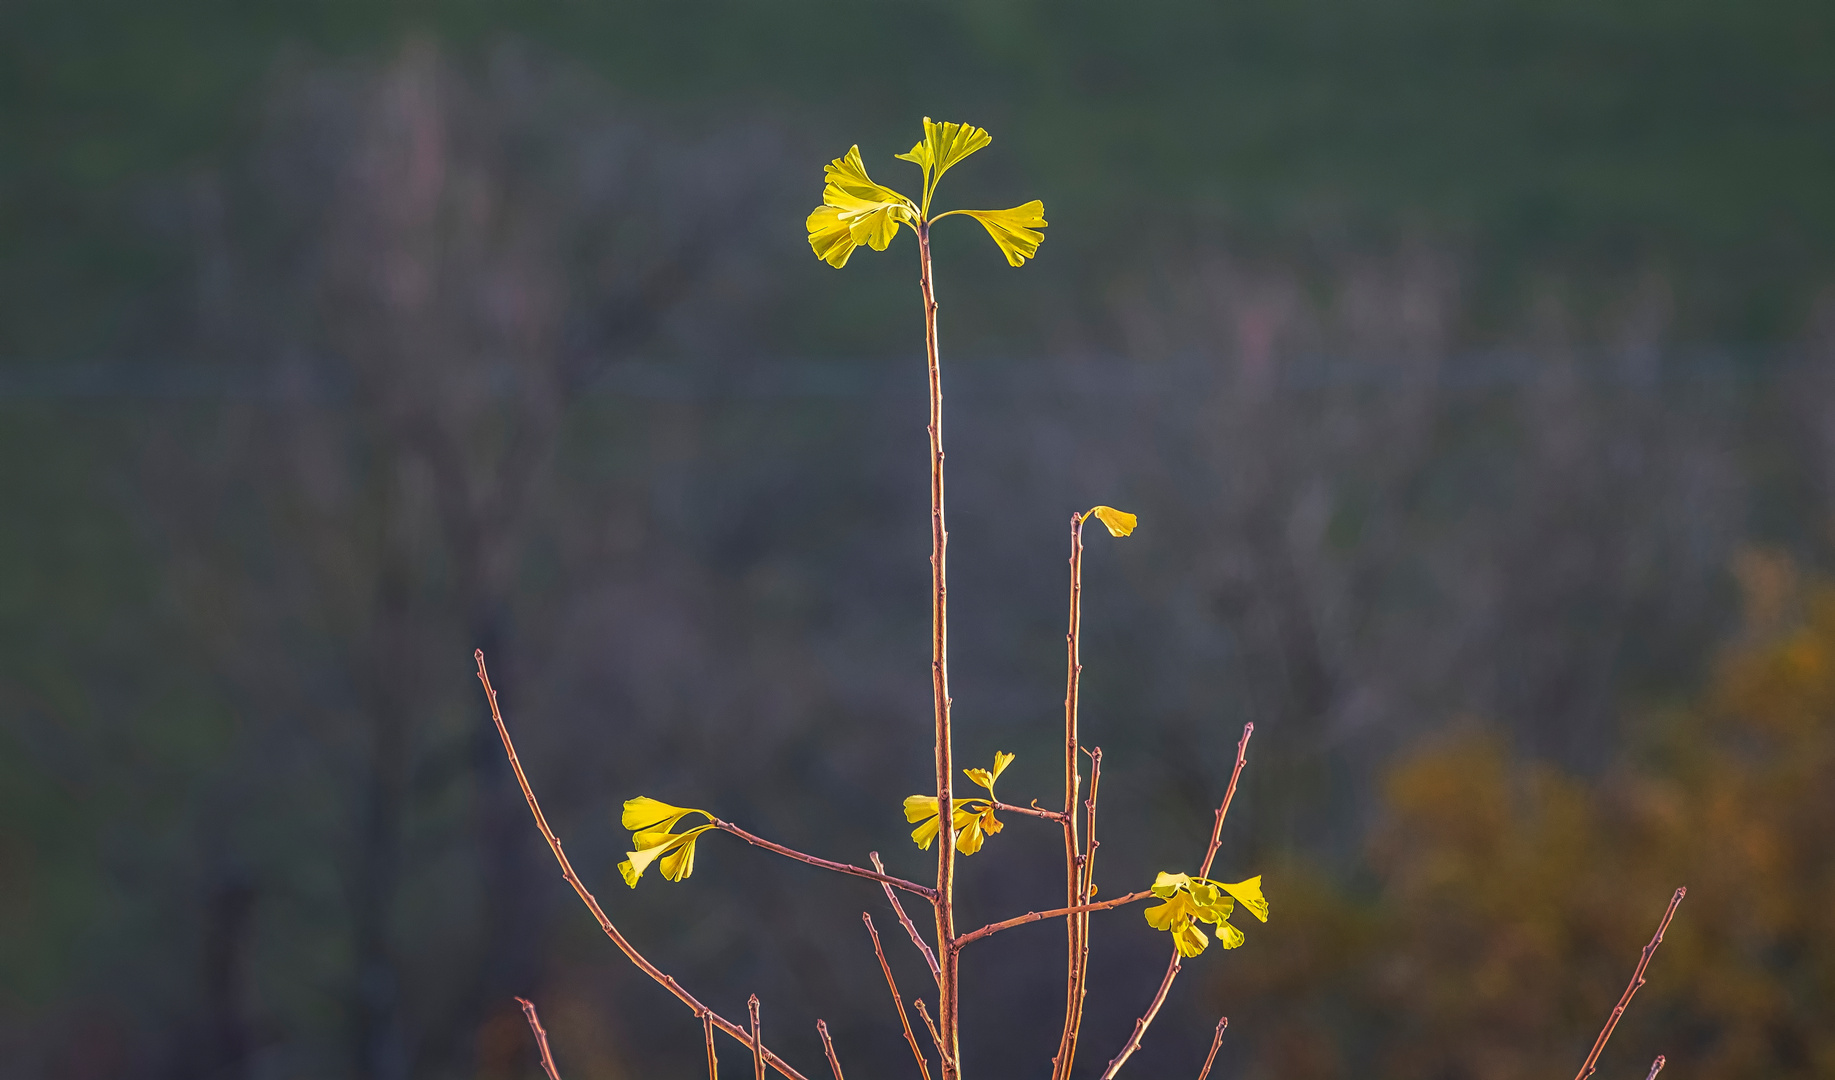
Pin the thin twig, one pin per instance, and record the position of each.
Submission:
(898, 1001)
(828, 1047)
(1216, 1041)
(1637, 980)
(1173, 965)
(943, 900)
(925, 1015)
(758, 1059)
(905, 921)
(1075, 941)
(1656, 1067)
(1029, 811)
(1085, 889)
(713, 1059)
(827, 864)
(624, 946)
(1054, 913)
(541, 1037)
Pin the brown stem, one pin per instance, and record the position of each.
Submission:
(905, 921)
(1076, 926)
(898, 1001)
(925, 1015)
(541, 1037)
(945, 900)
(827, 864)
(1030, 811)
(1216, 1041)
(1204, 871)
(828, 1047)
(1054, 913)
(758, 1059)
(624, 946)
(1656, 1067)
(713, 1059)
(1637, 980)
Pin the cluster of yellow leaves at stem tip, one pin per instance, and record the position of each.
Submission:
(1189, 901)
(652, 824)
(974, 818)
(858, 210)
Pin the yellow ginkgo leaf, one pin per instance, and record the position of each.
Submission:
(1015, 229)
(942, 146)
(1189, 940)
(1118, 522)
(986, 777)
(855, 210)
(675, 849)
(1165, 885)
(1250, 894)
(642, 814)
(973, 817)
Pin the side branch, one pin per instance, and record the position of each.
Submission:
(898, 1002)
(905, 920)
(1172, 965)
(541, 1038)
(1655, 1068)
(1029, 811)
(1039, 916)
(1637, 980)
(1216, 1041)
(828, 1047)
(624, 946)
(827, 864)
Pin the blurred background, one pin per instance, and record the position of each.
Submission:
(1468, 365)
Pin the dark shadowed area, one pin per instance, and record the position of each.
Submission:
(1471, 368)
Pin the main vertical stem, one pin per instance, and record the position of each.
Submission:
(947, 1010)
(1076, 927)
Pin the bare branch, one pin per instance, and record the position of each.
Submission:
(1054, 913)
(898, 1002)
(935, 1037)
(1216, 1041)
(1172, 965)
(905, 920)
(828, 1047)
(1076, 941)
(624, 946)
(1029, 811)
(758, 1059)
(1637, 980)
(828, 864)
(713, 1059)
(541, 1037)
(1656, 1067)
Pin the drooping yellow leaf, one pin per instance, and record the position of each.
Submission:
(855, 210)
(1015, 229)
(1250, 893)
(644, 813)
(1228, 936)
(1176, 909)
(636, 862)
(1119, 522)
(679, 863)
(1165, 885)
(989, 823)
(969, 836)
(1189, 940)
(942, 146)
(927, 832)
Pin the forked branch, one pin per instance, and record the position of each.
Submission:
(1637, 980)
(1204, 871)
(586, 897)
